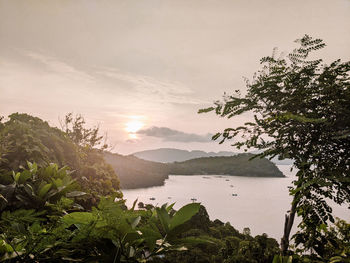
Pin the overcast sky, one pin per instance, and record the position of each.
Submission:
(151, 62)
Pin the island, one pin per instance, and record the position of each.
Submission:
(134, 172)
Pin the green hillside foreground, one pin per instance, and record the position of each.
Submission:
(26, 138)
(137, 173)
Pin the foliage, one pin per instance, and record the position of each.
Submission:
(42, 223)
(34, 188)
(227, 244)
(74, 127)
(336, 244)
(137, 173)
(239, 165)
(301, 111)
(25, 138)
(282, 259)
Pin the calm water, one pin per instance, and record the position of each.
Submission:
(260, 204)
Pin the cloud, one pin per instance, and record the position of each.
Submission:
(57, 66)
(166, 91)
(168, 134)
(132, 141)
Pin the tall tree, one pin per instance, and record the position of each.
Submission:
(300, 110)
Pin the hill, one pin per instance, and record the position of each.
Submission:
(27, 138)
(239, 165)
(137, 173)
(170, 155)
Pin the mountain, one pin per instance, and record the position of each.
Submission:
(137, 173)
(169, 155)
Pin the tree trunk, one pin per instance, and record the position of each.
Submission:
(288, 224)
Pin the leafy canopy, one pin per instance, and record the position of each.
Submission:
(300, 110)
(26, 138)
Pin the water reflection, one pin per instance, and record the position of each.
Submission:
(257, 203)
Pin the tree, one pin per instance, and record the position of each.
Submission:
(74, 127)
(26, 138)
(301, 111)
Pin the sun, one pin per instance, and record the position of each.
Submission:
(133, 126)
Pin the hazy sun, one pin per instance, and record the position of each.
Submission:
(133, 126)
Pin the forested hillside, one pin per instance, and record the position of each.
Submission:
(136, 173)
(239, 165)
(26, 138)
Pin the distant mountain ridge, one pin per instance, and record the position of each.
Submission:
(170, 155)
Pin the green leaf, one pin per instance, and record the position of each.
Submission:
(3, 202)
(184, 214)
(83, 218)
(132, 237)
(164, 218)
(135, 222)
(168, 209)
(16, 176)
(150, 236)
(133, 205)
(336, 259)
(43, 190)
(206, 110)
(277, 259)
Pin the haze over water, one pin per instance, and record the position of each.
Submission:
(260, 204)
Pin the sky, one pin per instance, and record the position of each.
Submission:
(141, 69)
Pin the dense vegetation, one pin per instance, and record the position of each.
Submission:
(42, 222)
(240, 165)
(301, 110)
(226, 244)
(136, 173)
(26, 138)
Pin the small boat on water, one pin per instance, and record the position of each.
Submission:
(206, 177)
(234, 194)
(152, 198)
(227, 180)
(231, 185)
(169, 197)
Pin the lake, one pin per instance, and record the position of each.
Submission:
(260, 204)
